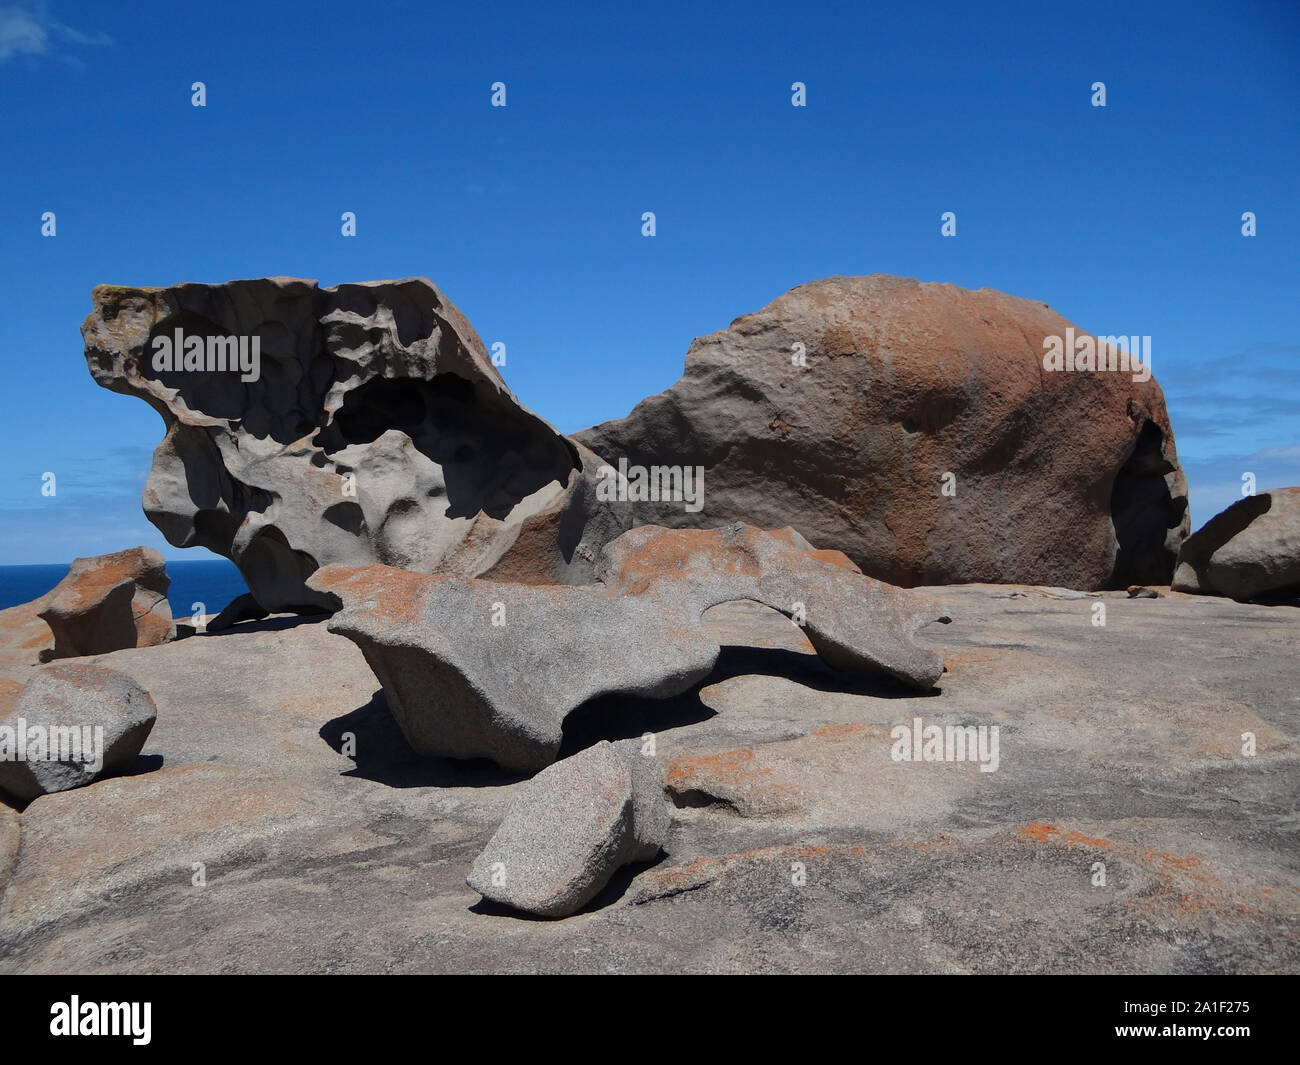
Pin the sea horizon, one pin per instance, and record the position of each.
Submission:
(214, 582)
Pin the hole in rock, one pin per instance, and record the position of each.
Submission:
(760, 640)
(280, 403)
(492, 453)
(1143, 511)
(697, 799)
(347, 516)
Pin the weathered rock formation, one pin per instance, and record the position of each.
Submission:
(1120, 744)
(481, 669)
(353, 424)
(853, 621)
(1249, 551)
(109, 602)
(573, 826)
(73, 723)
(1059, 478)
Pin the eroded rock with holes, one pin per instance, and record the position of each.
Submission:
(109, 602)
(575, 824)
(1249, 551)
(371, 426)
(482, 669)
(913, 426)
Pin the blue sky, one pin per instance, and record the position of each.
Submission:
(1125, 219)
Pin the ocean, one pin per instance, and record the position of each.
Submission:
(210, 581)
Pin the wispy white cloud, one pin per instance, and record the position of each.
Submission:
(1292, 451)
(21, 33)
(30, 30)
(1215, 483)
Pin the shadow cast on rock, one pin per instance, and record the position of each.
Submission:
(809, 670)
(619, 883)
(274, 624)
(1279, 597)
(371, 737)
(619, 717)
(144, 763)
(375, 743)
(609, 895)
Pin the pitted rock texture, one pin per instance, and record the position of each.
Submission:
(1061, 478)
(572, 828)
(102, 718)
(108, 603)
(1249, 551)
(482, 669)
(376, 429)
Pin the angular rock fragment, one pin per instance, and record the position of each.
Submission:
(1249, 551)
(108, 603)
(353, 424)
(73, 723)
(575, 824)
(922, 435)
(481, 669)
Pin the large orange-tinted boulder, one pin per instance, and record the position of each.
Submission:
(1060, 478)
(108, 603)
